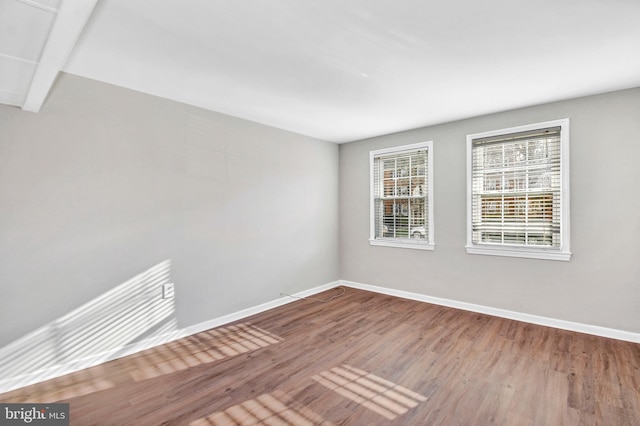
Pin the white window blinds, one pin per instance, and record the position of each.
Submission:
(516, 189)
(401, 203)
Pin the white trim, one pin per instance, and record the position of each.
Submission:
(564, 252)
(399, 149)
(226, 319)
(408, 244)
(503, 313)
(519, 252)
(397, 242)
(8, 384)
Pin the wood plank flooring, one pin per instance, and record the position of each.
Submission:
(361, 359)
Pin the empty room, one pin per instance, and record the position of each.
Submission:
(295, 212)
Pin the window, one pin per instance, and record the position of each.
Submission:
(402, 197)
(518, 191)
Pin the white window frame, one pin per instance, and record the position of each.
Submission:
(410, 243)
(558, 253)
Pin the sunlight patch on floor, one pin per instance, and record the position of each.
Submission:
(66, 387)
(202, 348)
(268, 409)
(379, 395)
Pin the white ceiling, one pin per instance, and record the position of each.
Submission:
(342, 70)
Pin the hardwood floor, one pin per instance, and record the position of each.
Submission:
(361, 359)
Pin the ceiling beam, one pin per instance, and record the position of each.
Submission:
(71, 19)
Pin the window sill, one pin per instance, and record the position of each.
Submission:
(520, 252)
(408, 244)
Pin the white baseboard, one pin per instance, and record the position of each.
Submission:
(11, 383)
(503, 313)
(217, 322)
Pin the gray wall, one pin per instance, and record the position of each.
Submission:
(106, 184)
(599, 286)
(108, 193)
